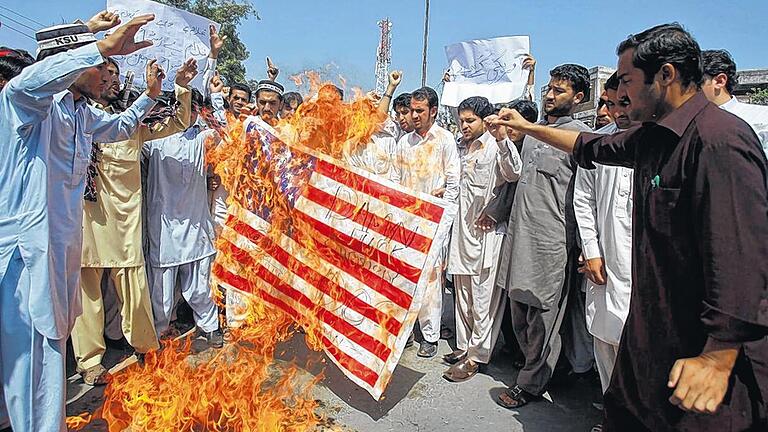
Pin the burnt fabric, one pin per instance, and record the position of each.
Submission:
(700, 264)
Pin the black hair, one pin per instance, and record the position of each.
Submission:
(613, 82)
(293, 96)
(402, 100)
(478, 105)
(665, 43)
(12, 62)
(340, 92)
(716, 62)
(575, 74)
(428, 94)
(526, 108)
(600, 103)
(197, 98)
(241, 87)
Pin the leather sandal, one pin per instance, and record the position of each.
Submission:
(454, 357)
(462, 371)
(518, 396)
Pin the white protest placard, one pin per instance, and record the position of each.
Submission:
(492, 68)
(176, 35)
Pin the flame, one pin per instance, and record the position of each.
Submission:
(240, 387)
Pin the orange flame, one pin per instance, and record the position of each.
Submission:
(240, 387)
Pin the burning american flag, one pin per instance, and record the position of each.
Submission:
(333, 245)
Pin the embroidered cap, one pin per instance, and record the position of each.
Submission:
(271, 86)
(63, 36)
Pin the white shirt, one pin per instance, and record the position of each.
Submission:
(755, 115)
(471, 250)
(376, 157)
(428, 163)
(602, 201)
(179, 222)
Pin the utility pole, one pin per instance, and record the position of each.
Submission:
(426, 44)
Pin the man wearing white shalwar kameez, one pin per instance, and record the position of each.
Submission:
(46, 140)
(602, 203)
(473, 253)
(427, 161)
(180, 227)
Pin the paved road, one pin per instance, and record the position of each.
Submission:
(418, 398)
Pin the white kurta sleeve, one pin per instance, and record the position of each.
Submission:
(509, 162)
(32, 91)
(210, 70)
(109, 128)
(452, 164)
(585, 207)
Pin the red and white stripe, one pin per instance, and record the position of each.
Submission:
(359, 273)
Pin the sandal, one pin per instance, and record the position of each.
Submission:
(518, 396)
(95, 375)
(462, 371)
(597, 428)
(454, 357)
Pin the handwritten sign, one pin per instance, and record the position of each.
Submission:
(486, 67)
(176, 36)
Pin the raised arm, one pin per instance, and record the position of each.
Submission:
(508, 159)
(118, 127)
(559, 138)
(395, 78)
(31, 92)
(181, 121)
(216, 43)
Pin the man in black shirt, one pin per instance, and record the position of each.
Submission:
(694, 352)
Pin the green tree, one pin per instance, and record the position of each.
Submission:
(759, 96)
(228, 13)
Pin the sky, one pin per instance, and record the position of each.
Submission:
(341, 36)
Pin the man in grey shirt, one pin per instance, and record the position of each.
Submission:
(540, 240)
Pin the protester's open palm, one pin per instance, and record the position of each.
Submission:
(154, 77)
(186, 72)
(122, 41)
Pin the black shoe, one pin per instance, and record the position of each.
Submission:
(427, 349)
(215, 338)
(445, 333)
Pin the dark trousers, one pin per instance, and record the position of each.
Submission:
(538, 333)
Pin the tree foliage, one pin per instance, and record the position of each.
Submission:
(759, 96)
(228, 13)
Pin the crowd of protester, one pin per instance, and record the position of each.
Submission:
(638, 250)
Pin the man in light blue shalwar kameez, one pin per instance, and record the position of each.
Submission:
(45, 144)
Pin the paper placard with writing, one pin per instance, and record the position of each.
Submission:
(492, 68)
(176, 35)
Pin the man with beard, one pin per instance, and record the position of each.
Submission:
(112, 232)
(603, 114)
(542, 235)
(269, 100)
(693, 353)
(46, 142)
(427, 161)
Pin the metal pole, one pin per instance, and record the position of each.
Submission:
(426, 43)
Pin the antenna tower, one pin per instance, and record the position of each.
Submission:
(383, 56)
